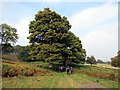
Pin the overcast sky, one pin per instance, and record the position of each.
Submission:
(95, 23)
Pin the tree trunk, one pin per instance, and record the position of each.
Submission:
(65, 63)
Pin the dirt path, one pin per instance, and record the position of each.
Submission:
(89, 85)
(72, 82)
(92, 85)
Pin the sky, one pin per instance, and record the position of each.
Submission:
(95, 23)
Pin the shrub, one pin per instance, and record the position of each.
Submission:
(28, 72)
(110, 76)
(10, 69)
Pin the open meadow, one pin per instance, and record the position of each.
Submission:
(37, 75)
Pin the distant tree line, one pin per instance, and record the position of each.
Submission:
(115, 61)
(91, 60)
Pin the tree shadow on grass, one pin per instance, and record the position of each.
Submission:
(56, 66)
(74, 66)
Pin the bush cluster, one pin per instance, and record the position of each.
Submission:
(110, 76)
(10, 69)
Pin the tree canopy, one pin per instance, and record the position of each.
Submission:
(8, 36)
(51, 40)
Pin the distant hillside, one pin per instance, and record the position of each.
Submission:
(10, 56)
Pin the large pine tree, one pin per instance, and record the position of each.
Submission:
(51, 40)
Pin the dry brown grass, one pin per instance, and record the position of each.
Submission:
(101, 75)
(11, 56)
(13, 68)
(100, 71)
(103, 65)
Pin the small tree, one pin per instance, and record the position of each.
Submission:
(91, 60)
(8, 36)
(116, 60)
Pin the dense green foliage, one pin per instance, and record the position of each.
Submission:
(17, 48)
(51, 40)
(116, 60)
(23, 53)
(8, 36)
(7, 48)
(91, 60)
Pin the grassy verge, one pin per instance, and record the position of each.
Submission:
(58, 80)
(104, 82)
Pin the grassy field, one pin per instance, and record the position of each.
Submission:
(57, 79)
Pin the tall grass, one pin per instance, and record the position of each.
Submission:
(100, 72)
(12, 68)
